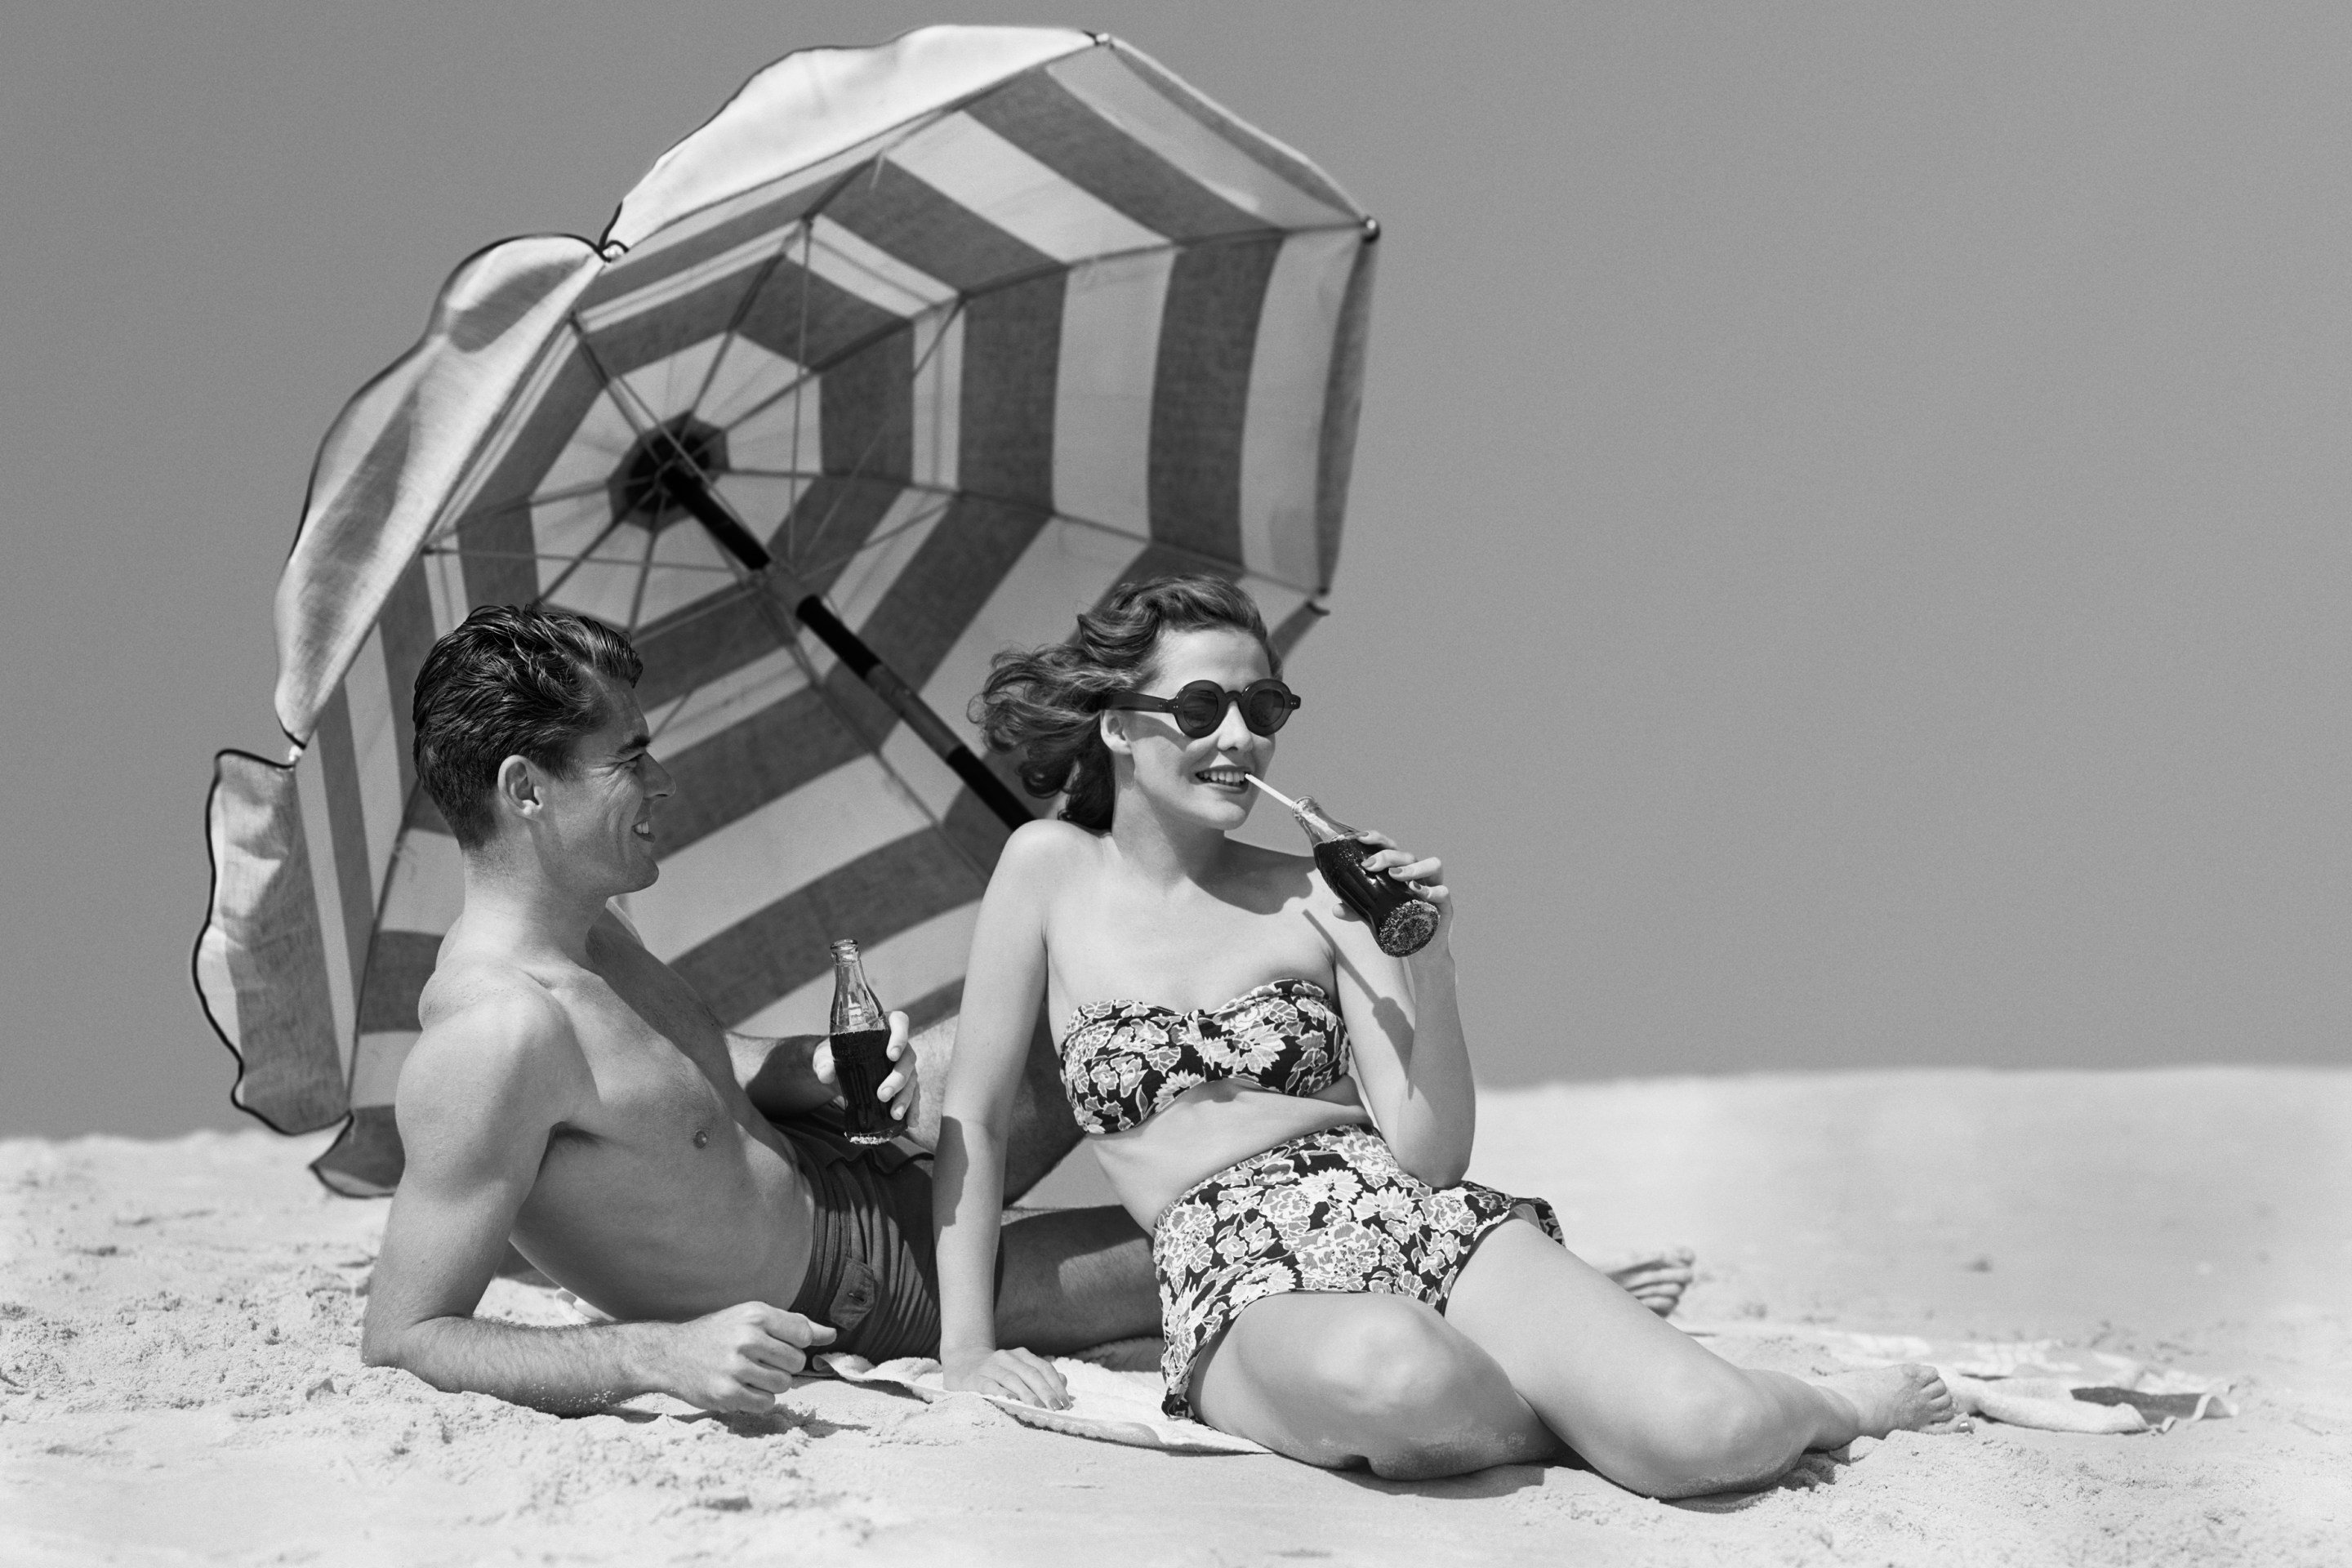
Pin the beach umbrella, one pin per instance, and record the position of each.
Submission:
(904, 356)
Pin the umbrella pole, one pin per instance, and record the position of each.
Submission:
(685, 481)
(889, 685)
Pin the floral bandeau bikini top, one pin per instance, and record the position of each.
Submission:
(1122, 1062)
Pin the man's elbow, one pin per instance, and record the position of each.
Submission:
(379, 1344)
(384, 1341)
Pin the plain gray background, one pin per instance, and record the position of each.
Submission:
(1848, 557)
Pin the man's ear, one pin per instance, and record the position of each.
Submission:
(517, 789)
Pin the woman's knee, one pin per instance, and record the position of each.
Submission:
(1392, 1363)
(1415, 1399)
(1377, 1381)
(1714, 1431)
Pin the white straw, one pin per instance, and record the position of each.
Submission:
(1279, 798)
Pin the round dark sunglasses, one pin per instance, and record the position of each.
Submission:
(1199, 706)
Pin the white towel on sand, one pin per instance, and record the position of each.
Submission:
(1107, 1405)
(2043, 1383)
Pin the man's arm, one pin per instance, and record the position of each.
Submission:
(480, 1096)
(780, 1074)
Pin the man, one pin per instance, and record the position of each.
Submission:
(570, 1092)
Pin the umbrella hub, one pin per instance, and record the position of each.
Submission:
(651, 486)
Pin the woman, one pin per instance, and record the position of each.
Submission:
(1288, 1110)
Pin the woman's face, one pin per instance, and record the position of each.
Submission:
(1198, 780)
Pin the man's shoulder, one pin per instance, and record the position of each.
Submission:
(489, 1026)
(471, 991)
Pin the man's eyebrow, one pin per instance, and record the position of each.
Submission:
(637, 742)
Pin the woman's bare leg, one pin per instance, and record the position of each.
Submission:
(1342, 1381)
(1644, 1403)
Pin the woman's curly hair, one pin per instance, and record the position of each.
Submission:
(1041, 703)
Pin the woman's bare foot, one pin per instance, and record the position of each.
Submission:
(1907, 1398)
(1656, 1279)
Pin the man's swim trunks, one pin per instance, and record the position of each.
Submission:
(871, 1274)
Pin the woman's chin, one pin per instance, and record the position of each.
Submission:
(1227, 811)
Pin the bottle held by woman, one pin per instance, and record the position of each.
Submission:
(1402, 922)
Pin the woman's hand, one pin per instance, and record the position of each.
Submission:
(1421, 873)
(1011, 1374)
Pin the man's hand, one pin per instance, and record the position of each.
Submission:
(900, 1089)
(1011, 1374)
(737, 1359)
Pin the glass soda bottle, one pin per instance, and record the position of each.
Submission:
(861, 1048)
(1402, 924)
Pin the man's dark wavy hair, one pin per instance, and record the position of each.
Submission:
(510, 682)
(1041, 703)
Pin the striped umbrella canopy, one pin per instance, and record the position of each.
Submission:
(906, 355)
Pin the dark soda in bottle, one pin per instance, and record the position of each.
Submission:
(1402, 924)
(861, 1049)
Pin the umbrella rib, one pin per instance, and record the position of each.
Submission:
(582, 559)
(950, 492)
(858, 468)
(1013, 281)
(645, 574)
(800, 356)
(625, 398)
(734, 326)
(873, 540)
(1000, 285)
(807, 375)
(468, 554)
(519, 503)
(615, 389)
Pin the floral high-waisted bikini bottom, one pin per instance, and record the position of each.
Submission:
(1332, 1211)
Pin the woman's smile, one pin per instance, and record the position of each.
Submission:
(1225, 776)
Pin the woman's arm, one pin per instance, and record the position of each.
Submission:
(1005, 983)
(1406, 1024)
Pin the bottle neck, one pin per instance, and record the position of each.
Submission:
(1320, 826)
(854, 1005)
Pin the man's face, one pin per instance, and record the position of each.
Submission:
(598, 831)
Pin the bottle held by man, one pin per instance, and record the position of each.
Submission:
(861, 1048)
(1402, 924)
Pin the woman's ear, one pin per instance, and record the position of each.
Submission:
(1111, 725)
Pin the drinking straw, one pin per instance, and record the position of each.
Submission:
(1279, 798)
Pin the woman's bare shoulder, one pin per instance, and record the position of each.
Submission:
(1274, 878)
(1047, 848)
(1257, 860)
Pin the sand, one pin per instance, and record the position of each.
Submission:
(178, 1380)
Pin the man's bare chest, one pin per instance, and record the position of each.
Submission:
(655, 1055)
